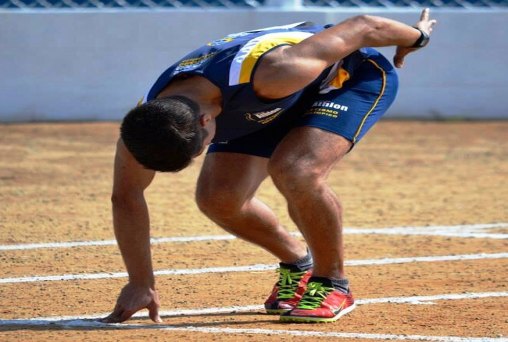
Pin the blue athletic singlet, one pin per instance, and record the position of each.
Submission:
(230, 62)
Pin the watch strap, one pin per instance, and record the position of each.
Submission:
(422, 40)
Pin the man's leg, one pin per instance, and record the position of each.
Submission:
(301, 163)
(299, 168)
(225, 193)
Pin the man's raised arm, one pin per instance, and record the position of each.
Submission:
(288, 69)
(132, 231)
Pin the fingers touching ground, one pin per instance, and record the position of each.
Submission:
(133, 299)
(153, 312)
(118, 315)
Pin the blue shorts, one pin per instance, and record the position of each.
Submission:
(349, 111)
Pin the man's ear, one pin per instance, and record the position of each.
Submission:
(204, 119)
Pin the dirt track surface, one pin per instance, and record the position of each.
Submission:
(55, 183)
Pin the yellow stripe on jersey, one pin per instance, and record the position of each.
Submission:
(246, 59)
(262, 47)
(140, 102)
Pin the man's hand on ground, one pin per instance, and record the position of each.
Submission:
(426, 25)
(132, 299)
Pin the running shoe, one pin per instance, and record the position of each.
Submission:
(321, 303)
(288, 291)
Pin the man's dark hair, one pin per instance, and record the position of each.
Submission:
(164, 134)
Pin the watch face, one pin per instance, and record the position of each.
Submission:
(425, 39)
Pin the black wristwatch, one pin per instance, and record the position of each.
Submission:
(422, 41)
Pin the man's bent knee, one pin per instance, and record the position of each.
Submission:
(219, 204)
(295, 178)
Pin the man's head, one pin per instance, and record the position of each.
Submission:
(165, 134)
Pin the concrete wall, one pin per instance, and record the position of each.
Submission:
(94, 65)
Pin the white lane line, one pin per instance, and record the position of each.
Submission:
(386, 261)
(430, 299)
(71, 244)
(88, 321)
(463, 231)
(468, 230)
(249, 308)
(279, 332)
(251, 268)
(236, 331)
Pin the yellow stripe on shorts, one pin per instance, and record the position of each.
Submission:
(381, 93)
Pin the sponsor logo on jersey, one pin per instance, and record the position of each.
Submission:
(327, 108)
(221, 41)
(192, 63)
(330, 104)
(265, 116)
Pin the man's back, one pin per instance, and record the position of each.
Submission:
(230, 63)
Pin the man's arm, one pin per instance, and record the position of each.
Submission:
(132, 230)
(288, 69)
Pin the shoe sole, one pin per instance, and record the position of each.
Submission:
(276, 311)
(310, 319)
(279, 311)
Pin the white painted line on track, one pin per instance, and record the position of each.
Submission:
(464, 231)
(431, 298)
(386, 261)
(113, 242)
(251, 268)
(249, 308)
(306, 333)
(88, 321)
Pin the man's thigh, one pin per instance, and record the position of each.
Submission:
(308, 154)
(337, 119)
(234, 175)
